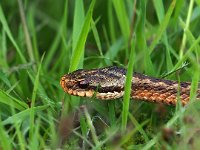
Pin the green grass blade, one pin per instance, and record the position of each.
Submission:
(122, 17)
(163, 26)
(20, 137)
(23, 115)
(114, 50)
(33, 33)
(160, 13)
(96, 36)
(111, 22)
(141, 40)
(34, 143)
(79, 50)
(5, 140)
(26, 32)
(139, 127)
(127, 90)
(195, 83)
(4, 50)
(8, 32)
(189, 51)
(111, 113)
(32, 112)
(91, 126)
(54, 46)
(187, 26)
(11, 101)
(78, 22)
(4, 79)
(83, 126)
(131, 134)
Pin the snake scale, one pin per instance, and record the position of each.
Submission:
(108, 83)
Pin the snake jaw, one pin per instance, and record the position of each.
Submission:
(109, 95)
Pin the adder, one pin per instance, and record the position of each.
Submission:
(108, 83)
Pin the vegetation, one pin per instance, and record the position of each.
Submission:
(42, 40)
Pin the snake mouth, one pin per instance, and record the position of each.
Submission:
(79, 88)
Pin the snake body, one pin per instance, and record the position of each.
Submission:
(108, 83)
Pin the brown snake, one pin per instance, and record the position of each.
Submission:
(108, 83)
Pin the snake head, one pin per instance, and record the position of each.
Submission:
(104, 83)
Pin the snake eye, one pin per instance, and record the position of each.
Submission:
(83, 84)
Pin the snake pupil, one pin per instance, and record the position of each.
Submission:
(83, 84)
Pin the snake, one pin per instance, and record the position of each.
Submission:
(108, 83)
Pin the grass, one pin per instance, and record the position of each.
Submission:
(41, 40)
